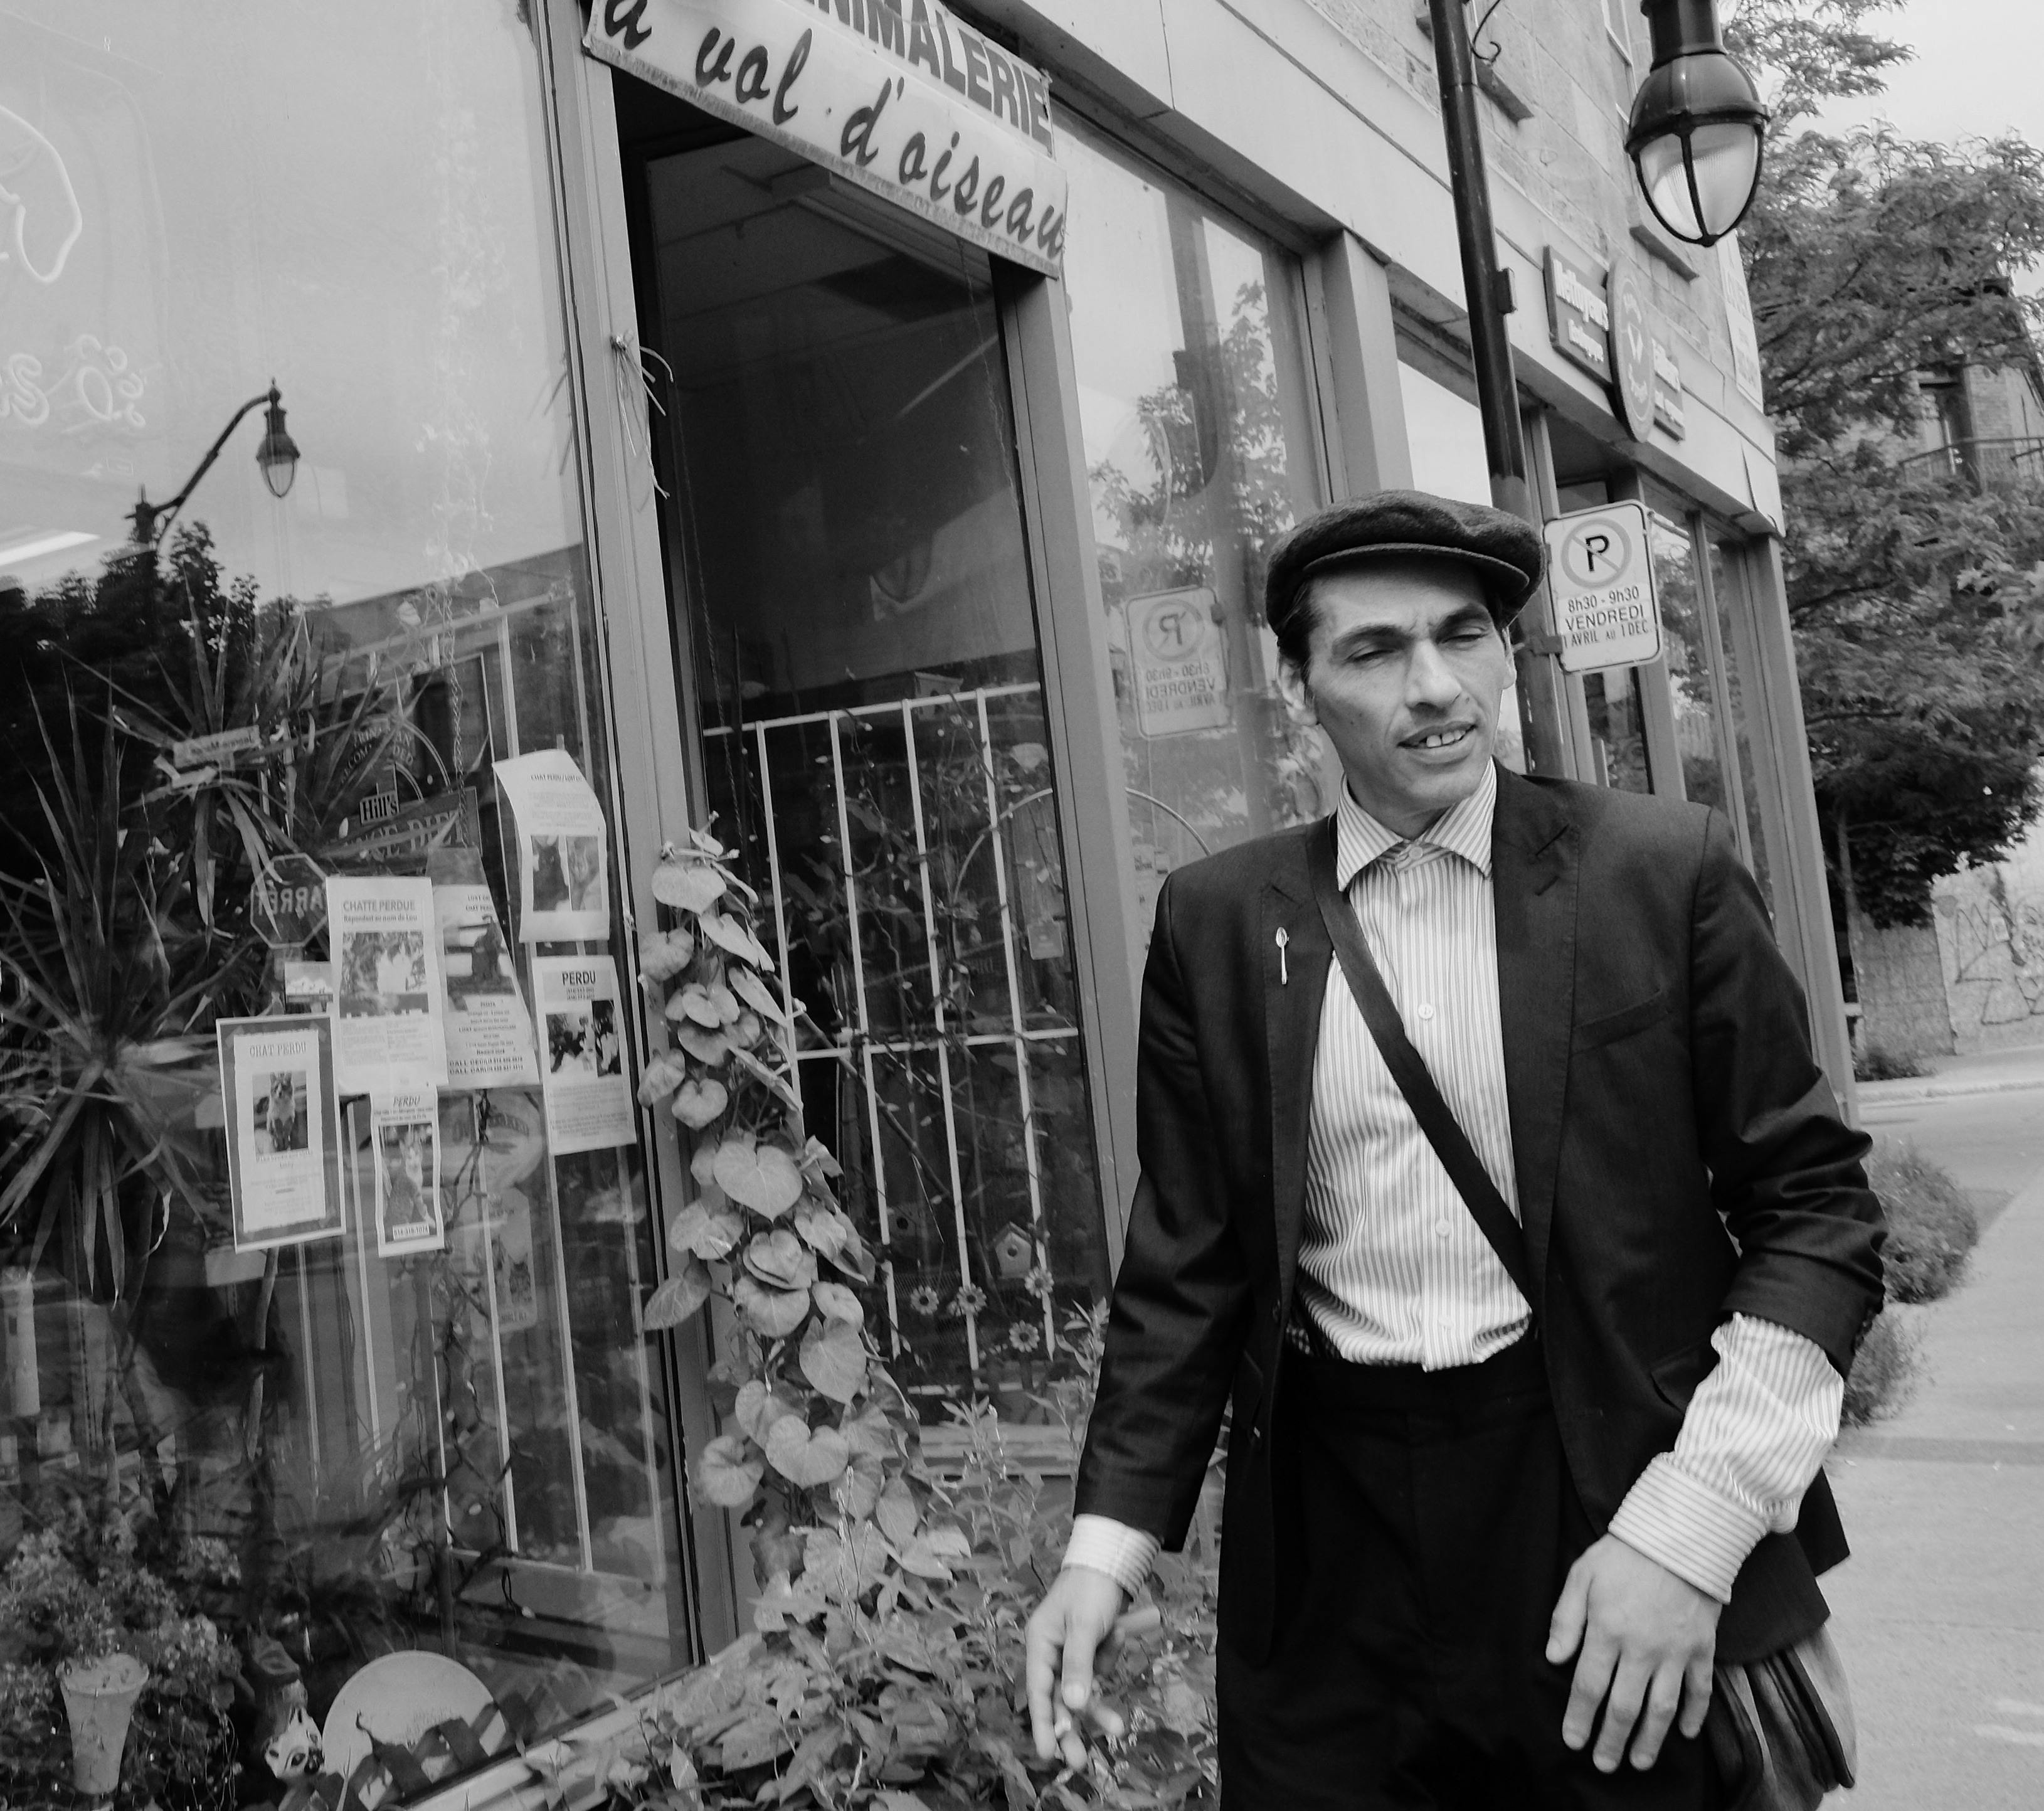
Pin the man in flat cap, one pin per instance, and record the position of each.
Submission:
(1523, 1435)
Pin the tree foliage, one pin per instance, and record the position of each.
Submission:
(1916, 593)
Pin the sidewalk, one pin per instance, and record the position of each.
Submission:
(1940, 1611)
(1989, 1072)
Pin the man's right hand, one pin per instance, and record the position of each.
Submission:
(1072, 1625)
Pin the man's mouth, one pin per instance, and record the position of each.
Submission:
(1450, 736)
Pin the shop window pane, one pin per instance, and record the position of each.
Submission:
(1444, 434)
(1734, 637)
(1200, 453)
(1617, 739)
(858, 597)
(424, 1484)
(1690, 681)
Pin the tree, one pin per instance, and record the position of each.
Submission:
(1916, 596)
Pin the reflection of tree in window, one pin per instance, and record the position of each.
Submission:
(1213, 492)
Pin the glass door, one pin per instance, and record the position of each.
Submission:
(854, 601)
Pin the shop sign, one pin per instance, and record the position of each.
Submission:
(288, 906)
(1578, 320)
(407, 834)
(221, 749)
(1669, 389)
(1180, 662)
(1631, 353)
(1739, 321)
(1600, 576)
(897, 96)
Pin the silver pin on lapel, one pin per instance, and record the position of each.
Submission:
(1284, 974)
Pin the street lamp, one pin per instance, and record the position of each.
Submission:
(277, 454)
(1697, 125)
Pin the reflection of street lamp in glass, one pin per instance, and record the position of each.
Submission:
(277, 454)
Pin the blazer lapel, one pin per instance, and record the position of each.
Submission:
(1295, 954)
(1535, 859)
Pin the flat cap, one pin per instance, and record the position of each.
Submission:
(1505, 552)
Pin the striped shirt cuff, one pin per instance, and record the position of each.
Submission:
(1699, 1534)
(1102, 1544)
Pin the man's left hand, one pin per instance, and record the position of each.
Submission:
(1641, 1634)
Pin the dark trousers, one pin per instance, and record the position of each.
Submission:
(1428, 1524)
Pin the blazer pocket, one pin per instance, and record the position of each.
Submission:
(1677, 1375)
(1608, 1028)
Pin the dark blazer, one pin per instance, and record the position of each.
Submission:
(1679, 1158)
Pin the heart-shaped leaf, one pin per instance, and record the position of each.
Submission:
(727, 1473)
(662, 955)
(694, 1002)
(816, 1156)
(835, 1302)
(753, 1067)
(781, 1260)
(746, 1032)
(756, 995)
(758, 1408)
(688, 886)
(773, 1312)
(702, 839)
(853, 1258)
(761, 1177)
(708, 1047)
(857, 1494)
(663, 1074)
(870, 1431)
(697, 1103)
(896, 1511)
(678, 1297)
(728, 934)
(803, 1457)
(834, 1359)
(705, 1231)
(702, 1162)
(726, 1003)
(823, 1227)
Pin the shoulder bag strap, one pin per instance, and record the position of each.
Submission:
(1408, 1069)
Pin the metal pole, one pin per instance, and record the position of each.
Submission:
(1490, 348)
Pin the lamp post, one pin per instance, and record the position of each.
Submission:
(1490, 349)
(1697, 128)
(277, 453)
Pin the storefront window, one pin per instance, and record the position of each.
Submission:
(1691, 681)
(857, 595)
(1200, 453)
(330, 1411)
(1759, 823)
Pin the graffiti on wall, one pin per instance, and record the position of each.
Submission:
(1994, 949)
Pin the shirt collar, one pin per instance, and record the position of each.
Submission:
(1463, 829)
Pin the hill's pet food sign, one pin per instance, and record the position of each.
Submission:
(897, 96)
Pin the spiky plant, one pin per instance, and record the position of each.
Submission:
(109, 983)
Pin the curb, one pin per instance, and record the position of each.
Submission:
(1902, 1093)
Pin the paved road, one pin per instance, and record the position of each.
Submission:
(1941, 1610)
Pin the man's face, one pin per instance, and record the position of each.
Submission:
(1404, 672)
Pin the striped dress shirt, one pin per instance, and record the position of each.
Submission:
(1393, 1269)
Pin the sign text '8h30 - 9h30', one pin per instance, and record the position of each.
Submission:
(1600, 576)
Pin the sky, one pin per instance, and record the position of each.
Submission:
(1976, 73)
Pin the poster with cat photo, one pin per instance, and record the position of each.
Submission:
(283, 1124)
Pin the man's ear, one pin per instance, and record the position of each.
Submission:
(1298, 695)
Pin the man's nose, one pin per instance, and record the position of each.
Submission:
(1429, 679)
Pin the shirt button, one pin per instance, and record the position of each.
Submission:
(1426, 1010)
(1441, 1229)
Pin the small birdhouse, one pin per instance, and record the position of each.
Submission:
(1015, 1252)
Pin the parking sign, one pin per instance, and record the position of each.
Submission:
(1600, 575)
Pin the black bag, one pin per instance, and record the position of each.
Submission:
(1779, 1728)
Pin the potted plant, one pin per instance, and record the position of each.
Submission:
(113, 1678)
